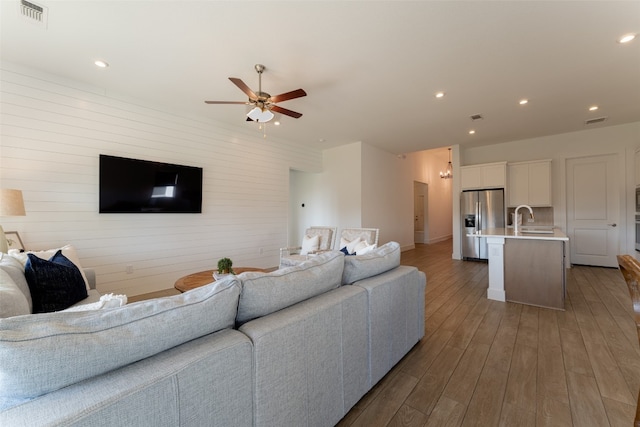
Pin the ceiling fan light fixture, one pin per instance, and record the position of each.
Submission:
(259, 115)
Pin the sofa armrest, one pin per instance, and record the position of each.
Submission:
(91, 277)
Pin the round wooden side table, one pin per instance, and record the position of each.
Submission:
(195, 280)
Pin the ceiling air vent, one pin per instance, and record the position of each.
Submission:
(476, 117)
(34, 13)
(594, 121)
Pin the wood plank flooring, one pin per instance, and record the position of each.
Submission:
(489, 363)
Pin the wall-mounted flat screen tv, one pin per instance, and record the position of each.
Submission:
(141, 186)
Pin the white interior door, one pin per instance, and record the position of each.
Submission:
(593, 210)
(419, 212)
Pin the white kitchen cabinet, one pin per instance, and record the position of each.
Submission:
(529, 183)
(489, 175)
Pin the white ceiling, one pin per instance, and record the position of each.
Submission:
(370, 68)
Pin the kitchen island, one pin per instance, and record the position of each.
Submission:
(527, 267)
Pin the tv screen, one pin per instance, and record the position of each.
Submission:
(141, 186)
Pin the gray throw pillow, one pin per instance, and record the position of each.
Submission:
(377, 261)
(264, 293)
(45, 352)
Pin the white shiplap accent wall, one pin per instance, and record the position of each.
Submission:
(52, 132)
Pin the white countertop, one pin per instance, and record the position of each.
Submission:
(509, 234)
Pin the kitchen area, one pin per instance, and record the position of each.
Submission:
(506, 217)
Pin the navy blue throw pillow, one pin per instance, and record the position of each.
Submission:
(346, 252)
(55, 284)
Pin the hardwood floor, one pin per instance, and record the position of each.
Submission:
(490, 363)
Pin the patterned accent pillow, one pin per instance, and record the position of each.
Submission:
(55, 284)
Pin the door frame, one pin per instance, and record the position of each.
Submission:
(619, 182)
(425, 207)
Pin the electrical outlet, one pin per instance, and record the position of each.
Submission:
(129, 269)
(260, 251)
(530, 220)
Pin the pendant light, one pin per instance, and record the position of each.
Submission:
(448, 173)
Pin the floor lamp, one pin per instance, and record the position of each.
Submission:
(11, 204)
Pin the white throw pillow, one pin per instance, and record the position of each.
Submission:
(350, 245)
(106, 301)
(68, 251)
(309, 244)
(364, 247)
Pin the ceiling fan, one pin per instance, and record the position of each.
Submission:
(263, 102)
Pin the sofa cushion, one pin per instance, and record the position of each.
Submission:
(264, 293)
(372, 263)
(45, 352)
(55, 284)
(68, 251)
(12, 300)
(15, 271)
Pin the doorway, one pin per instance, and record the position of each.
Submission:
(420, 212)
(593, 210)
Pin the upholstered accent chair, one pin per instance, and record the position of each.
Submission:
(369, 235)
(630, 269)
(316, 239)
(358, 241)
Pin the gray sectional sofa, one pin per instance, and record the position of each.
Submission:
(297, 346)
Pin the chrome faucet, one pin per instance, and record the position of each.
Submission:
(515, 217)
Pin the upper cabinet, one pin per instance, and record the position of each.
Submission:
(489, 175)
(529, 183)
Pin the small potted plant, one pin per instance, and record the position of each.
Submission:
(224, 266)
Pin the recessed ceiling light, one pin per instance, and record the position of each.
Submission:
(471, 132)
(276, 123)
(440, 94)
(101, 64)
(626, 38)
(523, 101)
(593, 108)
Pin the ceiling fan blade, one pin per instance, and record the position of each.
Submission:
(243, 87)
(285, 112)
(289, 95)
(227, 102)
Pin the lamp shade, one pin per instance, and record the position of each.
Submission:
(11, 203)
(259, 115)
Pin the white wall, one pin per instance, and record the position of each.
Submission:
(53, 130)
(621, 140)
(360, 186)
(387, 196)
(332, 197)
(305, 189)
(341, 186)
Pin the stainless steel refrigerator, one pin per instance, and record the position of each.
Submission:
(479, 210)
